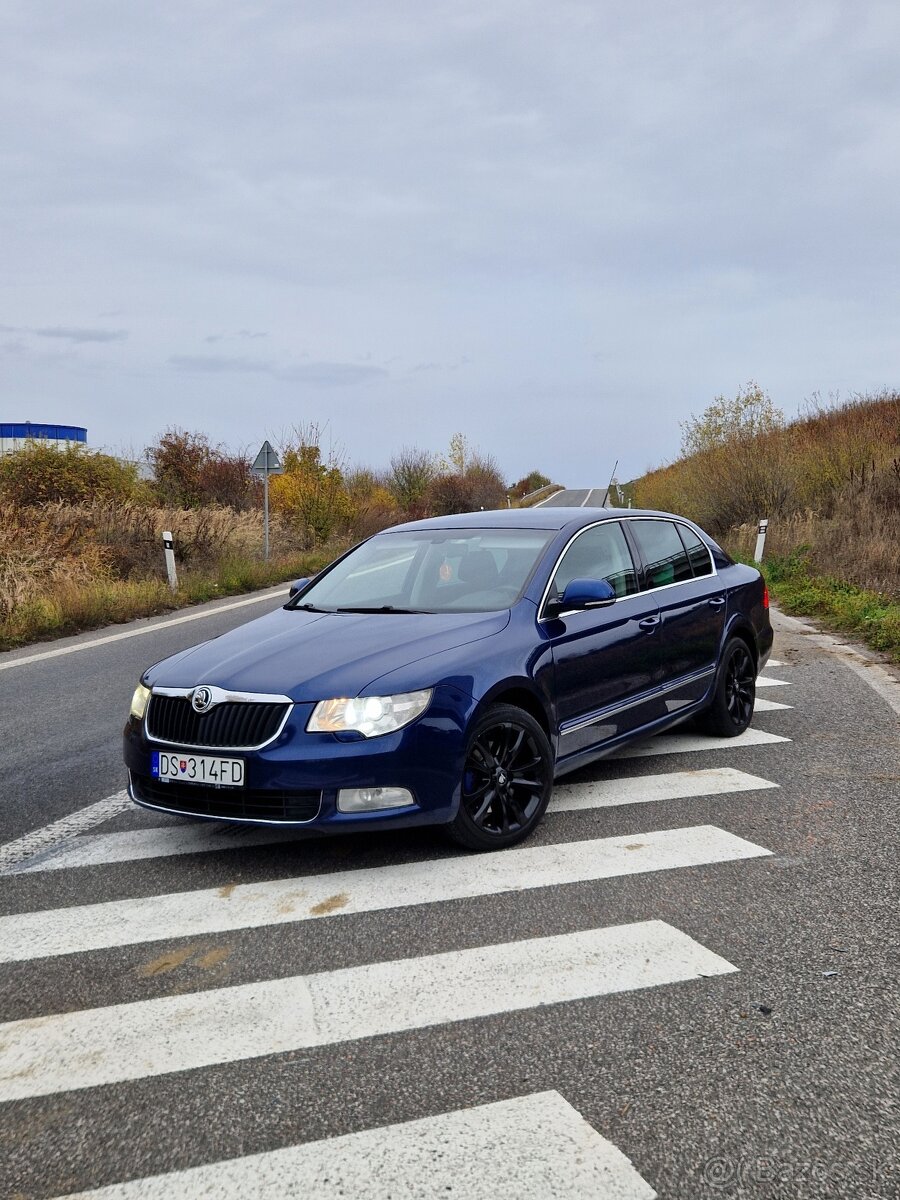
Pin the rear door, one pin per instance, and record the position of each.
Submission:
(678, 572)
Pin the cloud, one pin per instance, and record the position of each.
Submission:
(322, 374)
(241, 335)
(81, 335)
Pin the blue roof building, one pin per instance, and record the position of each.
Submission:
(14, 434)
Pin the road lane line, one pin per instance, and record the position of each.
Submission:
(82, 928)
(766, 681)
(102, 849)
(8, 664)
(45, 1055)
(686, 743)
(483, 1153)
(762, 705)
(59, 831)
(645, 789)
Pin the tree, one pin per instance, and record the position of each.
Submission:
(529, 483)
(311, 492)
(750, 414)
(411, 472)
(189, 472)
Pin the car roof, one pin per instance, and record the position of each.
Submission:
(524, 518)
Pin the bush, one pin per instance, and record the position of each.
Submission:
(188, 472)
(43, 472)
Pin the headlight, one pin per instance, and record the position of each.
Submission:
(368, 715)
(139, 701)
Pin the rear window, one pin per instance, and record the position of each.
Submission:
(665, 557)
(698, 555)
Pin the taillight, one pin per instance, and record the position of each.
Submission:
(765, 595)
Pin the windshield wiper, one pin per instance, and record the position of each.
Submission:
(312, 608)
(383, 608)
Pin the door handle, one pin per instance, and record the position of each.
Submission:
(648, 624)
(716, 601)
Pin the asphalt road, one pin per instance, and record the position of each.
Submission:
(711, 991)
(574, 498)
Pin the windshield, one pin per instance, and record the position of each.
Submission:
(431, 570)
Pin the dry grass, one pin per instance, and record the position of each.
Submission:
(65, 568)
(860, 545)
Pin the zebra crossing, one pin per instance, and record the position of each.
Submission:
(484, 1149)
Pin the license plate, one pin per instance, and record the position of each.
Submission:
(197, 768)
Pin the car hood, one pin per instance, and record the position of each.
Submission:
(315, 656)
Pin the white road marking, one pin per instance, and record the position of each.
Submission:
(685, 743)
(101, 849)
(766, 681)
(59, 831)
(483, 1153)
(207, 911)
(8, 663)
(774, 662)
(859, 660)
(644, 789)
(70, 1051)
(541, 503)
(163, 841)
(762, 705)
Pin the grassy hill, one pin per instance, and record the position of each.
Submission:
(829, 482)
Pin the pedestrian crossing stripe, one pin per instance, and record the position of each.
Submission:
(762, 705)
(209, 911)
(100, 849)
(766, 681)
(688, 743)
(93, 1047)
(482, 1153)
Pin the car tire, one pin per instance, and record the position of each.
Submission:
(507, 780)
(731, 710)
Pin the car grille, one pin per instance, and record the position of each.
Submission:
(248, 804)
(232, 725)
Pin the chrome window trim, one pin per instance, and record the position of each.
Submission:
(643, 591)
(221, 696)
(601, 714)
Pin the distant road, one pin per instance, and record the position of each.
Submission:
(575, 498)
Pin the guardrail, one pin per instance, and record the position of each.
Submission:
(530, 498)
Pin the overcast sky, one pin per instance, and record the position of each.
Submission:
(559, 227)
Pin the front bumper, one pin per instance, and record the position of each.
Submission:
(294, 781)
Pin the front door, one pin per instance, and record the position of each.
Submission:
(604, 658)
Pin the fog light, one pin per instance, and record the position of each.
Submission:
(370, 799)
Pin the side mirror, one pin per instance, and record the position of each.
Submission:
(297, 586)
(582, 594)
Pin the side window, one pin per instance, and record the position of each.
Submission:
(664, 555)
(599, 553)
(700, 559)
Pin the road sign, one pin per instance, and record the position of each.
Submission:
(267, 463)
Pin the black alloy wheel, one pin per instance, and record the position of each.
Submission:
(507, 780)
(731, 710)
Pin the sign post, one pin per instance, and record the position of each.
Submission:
(266, 463)
(761, 539)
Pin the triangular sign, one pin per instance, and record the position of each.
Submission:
(266, 462)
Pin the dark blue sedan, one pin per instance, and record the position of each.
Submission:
(444, 672)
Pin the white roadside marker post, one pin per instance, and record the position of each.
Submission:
(169, 548)
(760, 540)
